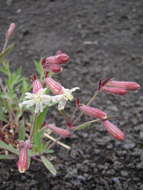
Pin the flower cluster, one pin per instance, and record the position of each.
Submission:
(40, 99)
(26, 131)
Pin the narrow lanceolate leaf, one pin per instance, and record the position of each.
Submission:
(7, 157)
(40, 119)
(39, 67)
(48, 165)
(6, 52)
(25, 87)
(10, 148)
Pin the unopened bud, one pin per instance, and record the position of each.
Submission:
(62, 58)
(124, 84)
(56, 68)
(54, 86)
(113, 130)
(23, 156)
(93, 112)
(112, 90)
(59, 131)
(10, 31)
(59, 58)
(36, 84)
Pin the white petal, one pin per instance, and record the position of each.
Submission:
(62, 104)
(74, 89)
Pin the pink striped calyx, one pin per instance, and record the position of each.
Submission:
(59, 131)
(59, 58)
(36, 84)
(22, 163)
(91, 111)
(113, 130)
(128, 85)
(10, 31)
(114, 90)
(54, 86)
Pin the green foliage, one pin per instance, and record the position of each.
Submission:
(9, 147)
(49, 165)
(6, 52)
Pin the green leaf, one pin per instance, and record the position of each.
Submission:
(40, 119)
(4, 53)
(2, 116)
(22, 131)
(49, 151)
(5, 68)
(13, 79)
(25, 87)
(7, 157)
(37, 133)
(38, 146)
(8, 147)
(39, 67)
(49, 165)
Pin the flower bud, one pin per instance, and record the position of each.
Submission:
(59, 58)
(54, 86)
(124, 84)
(52, 59)
(93, 112)
(36, 84)
(113, 130)
(62, 58)
(56, 68)
(23, 156)
(59, 131)
(110, 90)
(10, 31)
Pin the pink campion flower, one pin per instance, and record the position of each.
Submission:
(62, 57)
(114, 90)
(56, 68)
(23, 156)
(36, 84)
(51, 67)
(59, 58)
(59, 131)
(91, 111)
(54, 86)
(113, 130)
(123, 84)
(10, 31)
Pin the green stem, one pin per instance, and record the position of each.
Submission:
(86, 124)
(34, 127)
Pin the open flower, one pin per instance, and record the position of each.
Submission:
(39, 100)
(66, 96)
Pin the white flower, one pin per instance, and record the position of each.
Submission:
(39, 100)
(63, 98)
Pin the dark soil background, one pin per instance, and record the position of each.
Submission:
(104, 38)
